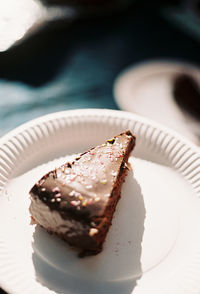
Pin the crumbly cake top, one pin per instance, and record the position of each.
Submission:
(84, 186)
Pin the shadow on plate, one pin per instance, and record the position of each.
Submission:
(115, 270)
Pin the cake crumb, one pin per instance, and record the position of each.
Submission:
(93, 232)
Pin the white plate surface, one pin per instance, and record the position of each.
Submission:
(153, 245)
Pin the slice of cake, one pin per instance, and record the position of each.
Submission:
(77, 200)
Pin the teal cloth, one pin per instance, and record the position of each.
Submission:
(21, 103)
(76, 67)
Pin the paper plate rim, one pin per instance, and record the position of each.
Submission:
(92, 112)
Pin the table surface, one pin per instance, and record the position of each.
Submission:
(75, 66)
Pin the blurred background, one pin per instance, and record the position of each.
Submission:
(140, 56)
(59, 54)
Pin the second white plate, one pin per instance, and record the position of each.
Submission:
(147, 89)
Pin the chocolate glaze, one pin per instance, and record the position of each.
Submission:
(85, 191)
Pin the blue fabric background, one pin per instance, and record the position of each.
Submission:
(75, 66)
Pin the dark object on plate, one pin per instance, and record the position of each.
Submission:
(77, 201)
(186, 91)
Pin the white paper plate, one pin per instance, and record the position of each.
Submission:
(153, 245)
(146, 89)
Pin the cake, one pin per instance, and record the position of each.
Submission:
(186, 92)
(77, 200)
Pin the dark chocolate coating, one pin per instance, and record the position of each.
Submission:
(86, 191)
